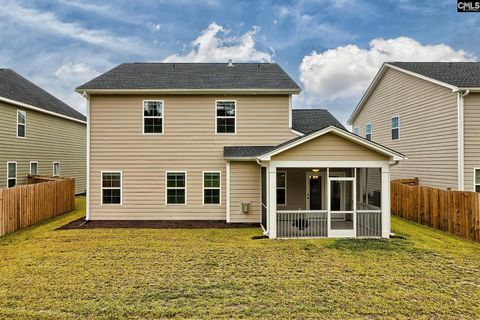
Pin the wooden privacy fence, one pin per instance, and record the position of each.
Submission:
(42, 198)
(455, 212)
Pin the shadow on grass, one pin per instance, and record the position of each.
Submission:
(393, 244)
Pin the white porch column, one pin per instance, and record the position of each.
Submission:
(385, 202)
(272, 201)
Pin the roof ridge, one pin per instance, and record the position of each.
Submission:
(174, 62)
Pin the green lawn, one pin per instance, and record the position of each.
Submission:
(142, 273)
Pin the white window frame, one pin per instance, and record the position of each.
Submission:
(277, 187)
(226, 117)
(474, 182)
(371, 131)
(116, 188)
(16, 172)
(53, 169)
(32, 162)
(212, 188)
(397, 127)
(153, 117)
(22, 124)
(167, 188)
(356, 130)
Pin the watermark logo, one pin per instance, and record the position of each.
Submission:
(468, 6)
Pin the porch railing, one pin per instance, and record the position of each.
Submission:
(369, 224)
(301, 223)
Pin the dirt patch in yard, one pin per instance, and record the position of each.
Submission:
(156, 224)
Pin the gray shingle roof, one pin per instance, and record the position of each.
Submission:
(459, 74)
(308, 120)
(246, 151)
(193, 76)
(15, 87)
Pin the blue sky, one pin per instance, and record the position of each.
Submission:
(331, 48)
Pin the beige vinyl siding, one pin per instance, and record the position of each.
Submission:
(48, 139)
(329, 147)
(245, 187)
(189, 143)
(471, 138)
(428, 127)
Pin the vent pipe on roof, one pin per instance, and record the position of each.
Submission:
(230, 63)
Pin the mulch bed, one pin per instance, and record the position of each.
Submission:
(156, 224)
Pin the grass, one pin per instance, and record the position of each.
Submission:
(142, 273)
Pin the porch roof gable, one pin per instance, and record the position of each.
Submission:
(264, 153)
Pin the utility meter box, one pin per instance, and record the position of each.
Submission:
(245, 207)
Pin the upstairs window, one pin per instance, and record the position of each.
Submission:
(112, 187)
(225, 117)
(11, 174)
(395, 127)
(56, 169)
(281, 188)
(368, 131)
(211, 187)
(153, 117)
(21, 124)
(176, 187)
(34, 168)
(356, 131)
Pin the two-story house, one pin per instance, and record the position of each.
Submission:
(218, 141)
(39, 134)
(429, 111)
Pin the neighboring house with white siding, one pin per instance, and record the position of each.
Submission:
(218, 141)
(429, 111)
(39, 134)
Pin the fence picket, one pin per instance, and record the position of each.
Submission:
(44, 198)
(455, 212)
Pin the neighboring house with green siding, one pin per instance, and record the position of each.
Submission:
(39, 134)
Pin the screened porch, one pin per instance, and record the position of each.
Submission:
(324, 202)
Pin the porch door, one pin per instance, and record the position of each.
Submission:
(315, 191)
(341, 207)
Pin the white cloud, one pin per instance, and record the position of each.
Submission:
(213, 45)
(346, 71)
(76, 72)
(49, 22)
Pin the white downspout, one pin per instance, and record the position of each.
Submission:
(461, 139)
(290, 119)
(227, 169)
(86, 96)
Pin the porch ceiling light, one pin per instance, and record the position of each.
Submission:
(315, 170)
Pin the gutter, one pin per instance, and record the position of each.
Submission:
(188, 91)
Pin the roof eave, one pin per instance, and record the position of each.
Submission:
(240, 158)
(28, 106)
(187, 91)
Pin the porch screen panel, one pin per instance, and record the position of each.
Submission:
(369, 188)
(264, 196)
